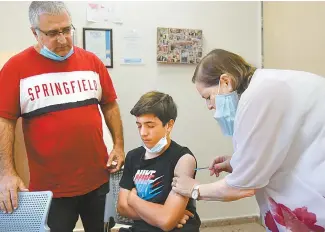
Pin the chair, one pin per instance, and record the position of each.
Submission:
(31, 214)
(111, 215)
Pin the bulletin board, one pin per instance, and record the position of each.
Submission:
(179, 46)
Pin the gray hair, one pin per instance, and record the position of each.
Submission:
(37, 8)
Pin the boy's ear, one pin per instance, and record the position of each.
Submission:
(170, 125)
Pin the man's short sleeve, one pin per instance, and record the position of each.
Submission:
(108, 90)
(127, 177)
(10, 91)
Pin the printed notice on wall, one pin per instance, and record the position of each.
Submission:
(132, 48)
(97, 12)
(104, 12)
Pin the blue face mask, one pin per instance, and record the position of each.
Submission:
(226, 107)
(53, 56)
(158, 147)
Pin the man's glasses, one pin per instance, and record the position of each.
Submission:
(67, 31)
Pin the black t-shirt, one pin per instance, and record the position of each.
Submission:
(152, 179)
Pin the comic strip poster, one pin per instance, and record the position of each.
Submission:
(179, 46)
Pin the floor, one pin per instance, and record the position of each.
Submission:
(249, 227)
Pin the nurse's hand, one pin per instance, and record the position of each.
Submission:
(220, 164)
(184, 185)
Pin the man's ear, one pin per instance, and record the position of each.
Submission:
(34, 32)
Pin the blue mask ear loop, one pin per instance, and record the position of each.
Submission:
(218, 87)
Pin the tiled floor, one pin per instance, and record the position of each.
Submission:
(249, 227)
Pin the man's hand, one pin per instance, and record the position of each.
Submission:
(220, 164)
(9, 184)
(115, 160)
(184, 219)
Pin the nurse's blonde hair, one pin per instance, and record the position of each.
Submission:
(218, 62)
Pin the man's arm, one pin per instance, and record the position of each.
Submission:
(9, 179)
(123, 207)
(166, 216)
(113, 120)
(7, 136)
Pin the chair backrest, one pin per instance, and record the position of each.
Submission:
(111, 200)
(31, 214)
(109, 214)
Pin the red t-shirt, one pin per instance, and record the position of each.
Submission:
(62, 125)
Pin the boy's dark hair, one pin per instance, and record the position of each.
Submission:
(160, 104)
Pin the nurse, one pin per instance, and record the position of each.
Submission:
(277, 121)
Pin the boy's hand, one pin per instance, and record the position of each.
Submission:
(184, 219)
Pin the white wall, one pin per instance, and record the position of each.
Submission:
(229, 25)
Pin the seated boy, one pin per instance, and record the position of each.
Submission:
(146, 194)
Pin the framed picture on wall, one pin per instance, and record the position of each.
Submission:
(179, 45)
(100, 42)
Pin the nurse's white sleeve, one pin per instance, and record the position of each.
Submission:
(264, 129)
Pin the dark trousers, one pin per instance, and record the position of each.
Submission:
(64, 212)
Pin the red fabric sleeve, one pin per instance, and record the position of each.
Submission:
(10, 91)
(108, 91)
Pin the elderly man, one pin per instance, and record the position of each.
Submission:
(56, 88)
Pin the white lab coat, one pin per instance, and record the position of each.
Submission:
(279, 148)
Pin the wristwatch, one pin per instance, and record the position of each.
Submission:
(195, 192)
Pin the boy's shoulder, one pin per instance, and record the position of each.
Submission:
(135, 153)
(181, 149)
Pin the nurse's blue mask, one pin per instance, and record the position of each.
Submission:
(53, 56)
(226, 107)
